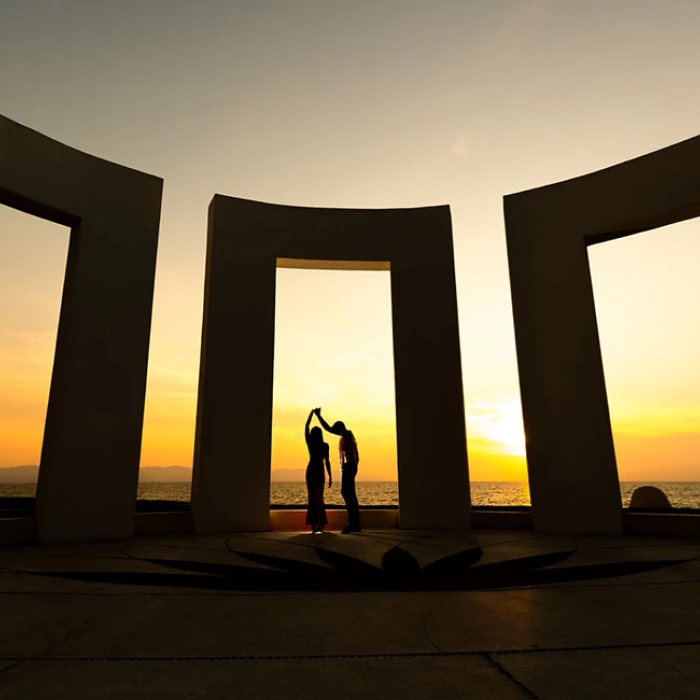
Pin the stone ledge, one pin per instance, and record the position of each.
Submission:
(15, 532)
(375, 519)
(676, 525)
(176, 522)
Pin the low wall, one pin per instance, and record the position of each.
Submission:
(501, 519)
(19, 531)
(677, 525)
(163, 523)
(15, 532)
(375, 519)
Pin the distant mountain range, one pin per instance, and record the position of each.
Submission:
(23, 474)
(28, 474)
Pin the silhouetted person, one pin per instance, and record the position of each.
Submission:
(319, 456)
(349, 459)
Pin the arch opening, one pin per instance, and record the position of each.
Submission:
(650, 344)
(245, 241)
(32, 272)
(333, 348)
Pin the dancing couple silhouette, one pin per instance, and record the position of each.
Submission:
(320, 462)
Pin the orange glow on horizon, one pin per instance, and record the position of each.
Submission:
(334, 348)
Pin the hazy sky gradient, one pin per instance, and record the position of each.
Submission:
(364, 104)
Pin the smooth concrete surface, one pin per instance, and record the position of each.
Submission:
(572, 471)
(246, 242)
(499, 615)
(98, 383)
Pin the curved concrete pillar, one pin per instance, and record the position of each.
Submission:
(246, 242)
(571, 459)
(92, 441)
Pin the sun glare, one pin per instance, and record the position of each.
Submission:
(501, 425)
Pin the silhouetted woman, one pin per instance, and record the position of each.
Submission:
(319, 457)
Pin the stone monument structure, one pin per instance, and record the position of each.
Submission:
(92, 440)
(572, 471)
(246, 242)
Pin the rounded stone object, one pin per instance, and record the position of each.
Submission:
(649, 497)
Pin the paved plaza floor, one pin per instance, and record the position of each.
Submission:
(383, 614)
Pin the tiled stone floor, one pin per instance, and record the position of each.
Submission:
(390, 614)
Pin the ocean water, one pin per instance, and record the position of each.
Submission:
(681, 494)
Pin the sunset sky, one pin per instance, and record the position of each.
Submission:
(373, 104)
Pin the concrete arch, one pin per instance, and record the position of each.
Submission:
(571, 459)
(92, 440)
(246, 241)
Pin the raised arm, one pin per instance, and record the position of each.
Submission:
(306, 426)
(325, 425)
